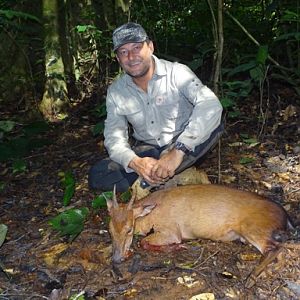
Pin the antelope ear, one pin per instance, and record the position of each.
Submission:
(142, 211)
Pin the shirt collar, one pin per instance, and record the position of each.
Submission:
(160, 68)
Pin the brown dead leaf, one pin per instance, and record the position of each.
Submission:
(228, 179)
(247, 172)
(289, 112)
(203, 296)
(249, 256)
(50, 256)
(284, 176)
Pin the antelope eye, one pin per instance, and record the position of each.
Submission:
(130, 231)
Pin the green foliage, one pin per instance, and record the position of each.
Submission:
(250, 141)
(79, 296)
(100, 112)
(2, 186)
(246, 160)
(3, 232)
(7, 126)
(98, 128)
(125, 197)
(19, 166)
(93, 35)
(19, 143)
(236, 90)
(70, 222)
(11, 14)
(68, 182)
(100, 200)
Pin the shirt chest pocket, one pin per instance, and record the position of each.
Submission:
(134, 114)
(169, 107)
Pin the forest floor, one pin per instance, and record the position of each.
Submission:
(36, 263)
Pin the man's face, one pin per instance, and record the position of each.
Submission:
(135, 58)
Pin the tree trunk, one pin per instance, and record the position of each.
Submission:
(55, 98)
(65, 46)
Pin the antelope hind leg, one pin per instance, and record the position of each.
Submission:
(270, 256)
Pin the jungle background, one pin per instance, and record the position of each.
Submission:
(55, 65)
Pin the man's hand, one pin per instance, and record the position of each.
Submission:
(157, 171)
(167, 164)
(143, 167)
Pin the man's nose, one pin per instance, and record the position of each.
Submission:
(130, 55)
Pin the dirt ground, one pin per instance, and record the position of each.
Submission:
(38, 264)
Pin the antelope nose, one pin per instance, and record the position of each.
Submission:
(117, 259)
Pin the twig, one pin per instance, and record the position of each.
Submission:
(294, 191)
(212, 255)
(219, 161)
(256, 42)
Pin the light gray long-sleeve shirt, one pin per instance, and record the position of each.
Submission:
(176, 104)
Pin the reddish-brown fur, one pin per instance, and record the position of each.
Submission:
(196, 211)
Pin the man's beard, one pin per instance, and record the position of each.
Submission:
(142, 73)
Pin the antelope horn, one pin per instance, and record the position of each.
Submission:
(111, 202)
(114, 197)
(131, 201)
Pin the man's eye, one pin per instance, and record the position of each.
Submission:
(123, 53)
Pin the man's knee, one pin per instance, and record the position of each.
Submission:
(104, 174)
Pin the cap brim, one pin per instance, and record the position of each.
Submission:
(136, 40)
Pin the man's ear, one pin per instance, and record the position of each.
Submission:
(151, 46)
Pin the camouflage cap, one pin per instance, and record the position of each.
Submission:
(128, 33)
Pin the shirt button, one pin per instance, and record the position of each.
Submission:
(158, 139)
(152, 122)
(148, 103)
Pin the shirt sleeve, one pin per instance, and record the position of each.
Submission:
(116, 135)
(207, 112)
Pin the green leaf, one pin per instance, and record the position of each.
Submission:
(19, 166)
(250, 141)
(70, 222)
(244, 135)
(293, 36)
(3, 232)
(10, 14)
(2, 185)
(257, 73)
(262, 55)
(227, 102)
(100, 110)
(84, 28)
(79, 296)
(68, 182)
(100, 201)
(234, 114)
(242, 68)
(7, 126)
(98, 128)
(125, 197)
(246, 160)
